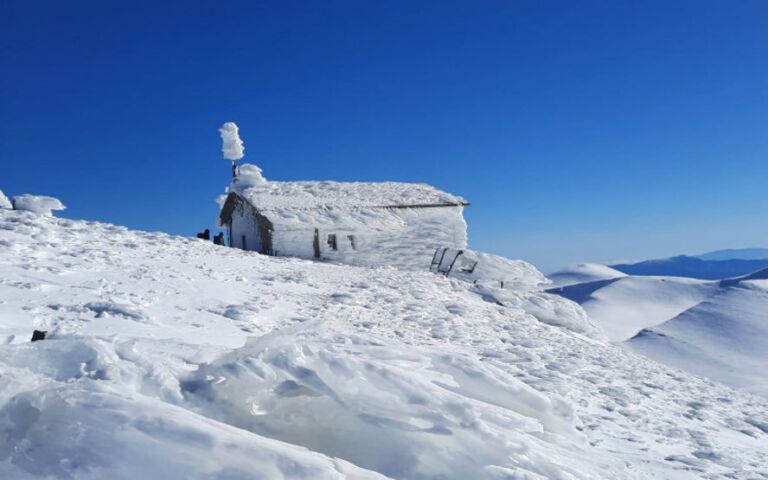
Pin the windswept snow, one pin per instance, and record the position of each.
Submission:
(718, 329)
(624, 306)
(37, 203)
(583, 273)
(175, 358)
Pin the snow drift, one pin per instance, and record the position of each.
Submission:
(376, 404)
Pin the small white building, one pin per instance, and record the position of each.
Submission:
(399, 224)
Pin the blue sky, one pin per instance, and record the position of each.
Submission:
(578, 130)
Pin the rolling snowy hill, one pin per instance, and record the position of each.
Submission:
(718, 329)
(584, 273)
(624, 306)
(725, 337)
(174, 358)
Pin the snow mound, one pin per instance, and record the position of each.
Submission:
(487, 269)
(76, 416)
(583, 273)
(5, 204)
(248, 176)
(39, 204)
(375, 404)
(515, 284)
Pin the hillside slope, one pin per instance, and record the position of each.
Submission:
(625, 306)
(724, 337)
(174, 358)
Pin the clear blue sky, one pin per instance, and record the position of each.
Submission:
(578, 130)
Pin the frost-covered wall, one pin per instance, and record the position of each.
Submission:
(402, 237)
(244, 231)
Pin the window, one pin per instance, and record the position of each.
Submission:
(332, 241)
(352, 241)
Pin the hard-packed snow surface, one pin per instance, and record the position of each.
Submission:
(175, 358)
(40, 204)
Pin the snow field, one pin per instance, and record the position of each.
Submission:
(173, 357)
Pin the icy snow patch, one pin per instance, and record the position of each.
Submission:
(57, 423)
(405, 412)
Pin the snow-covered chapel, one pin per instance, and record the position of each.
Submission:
(387, 223)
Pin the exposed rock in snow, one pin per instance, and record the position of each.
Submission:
(245, 366)
(40, 204)
(5, 204)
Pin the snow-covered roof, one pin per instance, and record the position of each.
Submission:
(307, 195)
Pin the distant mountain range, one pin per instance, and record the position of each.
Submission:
(709, 266)
(736, 254)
